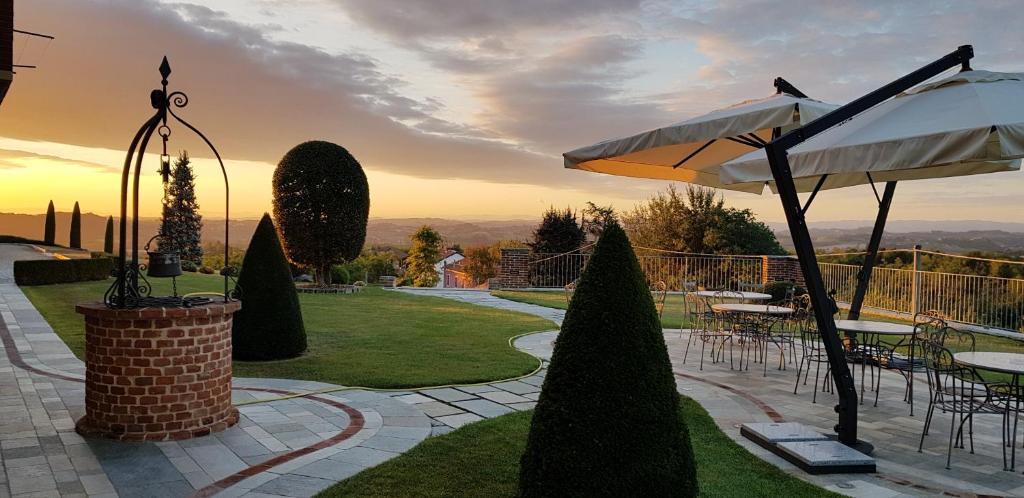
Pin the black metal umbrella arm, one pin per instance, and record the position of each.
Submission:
(777, 154)
(130, 288)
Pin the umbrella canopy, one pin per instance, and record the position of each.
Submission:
(970, 123)
(692, 151)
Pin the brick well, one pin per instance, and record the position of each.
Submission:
(157, 374)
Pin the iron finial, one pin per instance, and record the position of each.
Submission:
(165, 69)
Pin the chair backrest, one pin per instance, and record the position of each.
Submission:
(957, 340)
(659, 290)
(570, 288)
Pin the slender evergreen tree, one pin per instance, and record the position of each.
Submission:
(181, 223)
(108, 236)
(607, 421)
(269, 325)
(50, 226)
(75, 237)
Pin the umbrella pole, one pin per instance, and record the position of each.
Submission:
(783, 176)
(872, 252)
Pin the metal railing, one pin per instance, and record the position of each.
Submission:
(709, 271)
(972, 299)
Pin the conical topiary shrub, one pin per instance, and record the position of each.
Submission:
(108, 236)
(50, 226)
(75, 237)
(269, 325)
(607, 422)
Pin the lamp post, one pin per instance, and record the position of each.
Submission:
(130, 288)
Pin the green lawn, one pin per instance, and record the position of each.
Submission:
(671, 319)
(674, 307)
(482, 459)
(375, 338)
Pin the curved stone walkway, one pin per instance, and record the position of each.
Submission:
(733, 397)
(292, 447)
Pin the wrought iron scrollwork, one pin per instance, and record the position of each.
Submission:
(130, 288)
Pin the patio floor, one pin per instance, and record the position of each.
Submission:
(733, 397)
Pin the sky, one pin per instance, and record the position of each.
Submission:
(457, 109)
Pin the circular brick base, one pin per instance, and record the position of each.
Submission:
(157, 374)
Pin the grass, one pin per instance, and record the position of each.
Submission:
(674, 306)
(375, 338)
(482, 459)
(672, 317)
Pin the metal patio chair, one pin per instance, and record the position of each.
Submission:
(957, 390)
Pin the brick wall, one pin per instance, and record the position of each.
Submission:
(515, 268)
(781, 269)
(157, 374)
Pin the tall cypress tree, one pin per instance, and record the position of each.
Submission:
(607, 420)
(50, 226)
(181, 222)
(75, 237)
(108, 236)
(269, 325)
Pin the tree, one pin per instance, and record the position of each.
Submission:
(607, 420)
(321, 204)
(424, 254)
(558, 232)
(181, 224)
(108, 236)
(595, 218)
(50, 226)
(75, 238)
(698, 222)
(269, 325)
(482, 262)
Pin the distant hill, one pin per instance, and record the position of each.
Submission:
(380, 231)
(905, 226)
(944, 241)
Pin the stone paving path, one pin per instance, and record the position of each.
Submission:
(733, 397)
(302, 444)
(295, 446)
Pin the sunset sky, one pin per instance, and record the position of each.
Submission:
(458, 109)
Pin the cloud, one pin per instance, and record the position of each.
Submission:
(16, 159)
(254, 96)
(539, 76)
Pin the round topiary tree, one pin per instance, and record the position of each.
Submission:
(269, 325)
(75, 237)
(321, 203)
(607, 422)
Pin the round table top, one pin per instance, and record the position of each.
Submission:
(873, 327)
(753, 296)
(752, 308)
(1011, 363)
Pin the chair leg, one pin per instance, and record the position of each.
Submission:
(952, 433)
(927, 423)
(799, 370)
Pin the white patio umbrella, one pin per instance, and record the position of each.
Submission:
(691, 151)
(967, 124)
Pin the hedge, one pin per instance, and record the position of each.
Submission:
(59, 271)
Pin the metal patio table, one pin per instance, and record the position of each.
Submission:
(1007, 363)
(740, 295)
(870, 333)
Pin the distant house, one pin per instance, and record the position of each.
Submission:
(448, 258)
(455, 277)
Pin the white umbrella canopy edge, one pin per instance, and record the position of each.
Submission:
(692, 150)
(966, 124)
